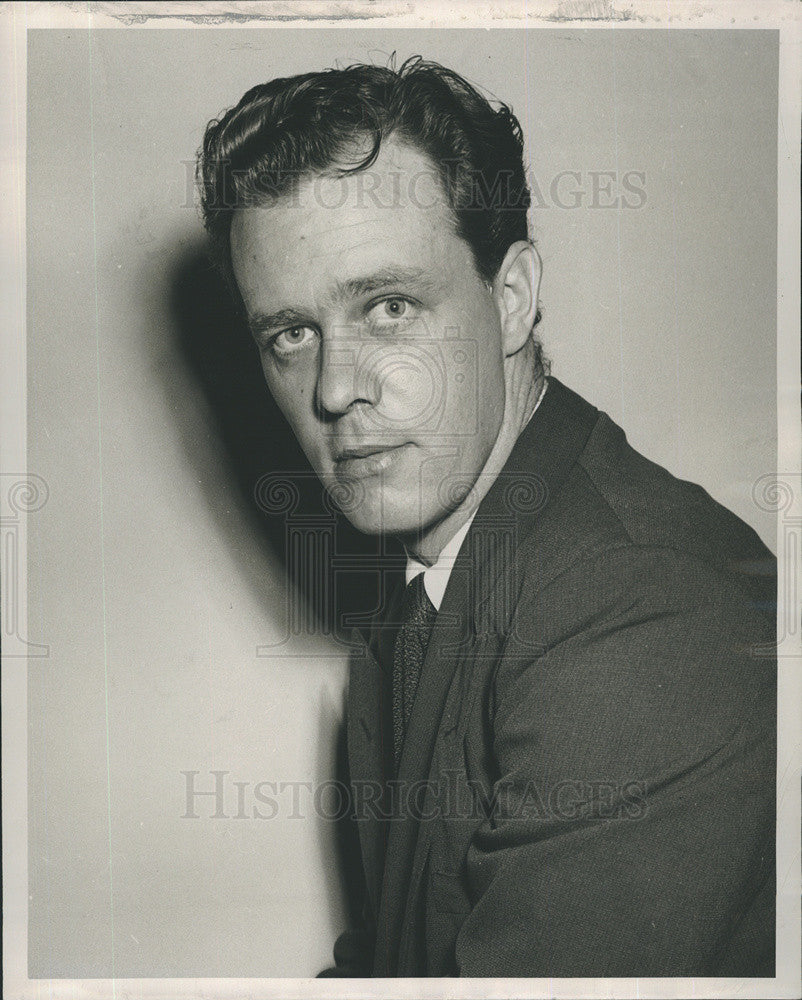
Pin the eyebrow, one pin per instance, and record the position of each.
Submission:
(381, 280)
(262, 322)
(352, 288)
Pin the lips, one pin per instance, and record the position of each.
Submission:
(367, 459)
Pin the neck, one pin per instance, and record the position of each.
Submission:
(521, 394)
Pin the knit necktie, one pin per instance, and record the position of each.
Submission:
(417, 618)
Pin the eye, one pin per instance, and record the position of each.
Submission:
(291, 340)
(395, 307)
(392, 309)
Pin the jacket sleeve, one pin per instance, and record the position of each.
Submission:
(354, 949)
(631, 825)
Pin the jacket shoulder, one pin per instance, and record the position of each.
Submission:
(616, 504)
(655, 507)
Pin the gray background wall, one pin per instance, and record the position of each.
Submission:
(151, 577)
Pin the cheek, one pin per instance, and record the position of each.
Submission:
(475, 373)
(442, 387)
(412, 384)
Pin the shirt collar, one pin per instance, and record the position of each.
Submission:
(436, 576)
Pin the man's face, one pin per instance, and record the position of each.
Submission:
(378, 339)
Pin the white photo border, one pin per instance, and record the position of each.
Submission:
(784, 16)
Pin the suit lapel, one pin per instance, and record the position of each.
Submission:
(478, 603)
(369, 739)
(448, 634)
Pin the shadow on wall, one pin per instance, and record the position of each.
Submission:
(333, 578)
(331, 568)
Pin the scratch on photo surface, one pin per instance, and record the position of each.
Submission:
(214, 14)
(591, 10)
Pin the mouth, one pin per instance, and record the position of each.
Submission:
(367, 459)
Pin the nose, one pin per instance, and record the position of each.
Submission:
(345, 376)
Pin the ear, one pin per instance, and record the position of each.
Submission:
(515, 290)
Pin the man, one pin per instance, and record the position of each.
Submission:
(560, 737)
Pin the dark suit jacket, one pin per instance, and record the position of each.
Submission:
(590, 761)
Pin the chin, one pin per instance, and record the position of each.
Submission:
(381, 514)
(373, 522)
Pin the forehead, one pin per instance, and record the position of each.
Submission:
(330, 228)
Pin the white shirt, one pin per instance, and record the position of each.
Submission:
(435, 577)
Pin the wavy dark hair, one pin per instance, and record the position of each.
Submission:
(294, 127)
